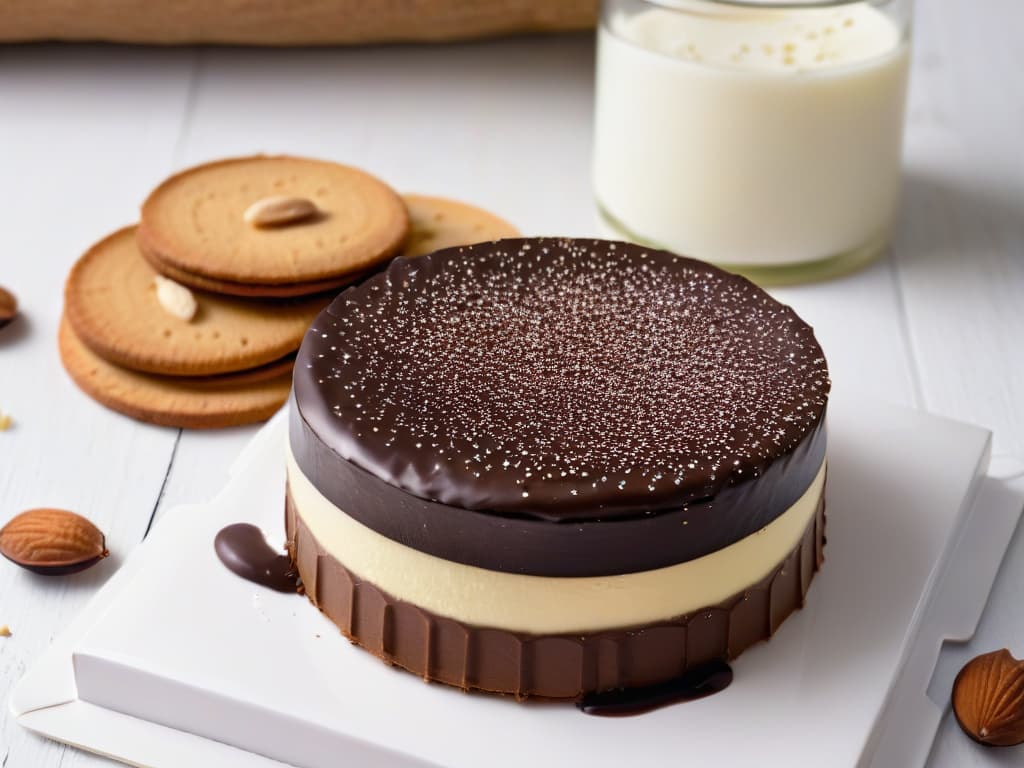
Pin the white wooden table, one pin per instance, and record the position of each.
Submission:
(86, 131)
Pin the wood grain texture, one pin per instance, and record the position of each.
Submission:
(960, 249)
(87, 131)
(284, 22)
(57, 151)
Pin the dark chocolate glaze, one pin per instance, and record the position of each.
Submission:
(541, 548)
(560, 407)
(564, 666)
(705, 680)
(245, 552)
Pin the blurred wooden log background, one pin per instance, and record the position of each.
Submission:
(286, 22)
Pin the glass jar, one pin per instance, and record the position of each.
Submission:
(762, 136)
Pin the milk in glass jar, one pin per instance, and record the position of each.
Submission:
(765, 137)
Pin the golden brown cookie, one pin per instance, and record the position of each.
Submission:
(196, 223)
(441, 223)
(111, 302)
(273, 370)
(246, 290)
(196, 403)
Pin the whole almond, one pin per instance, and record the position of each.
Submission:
(988, 699)
(52, 541)
(8, 306)
(175, 298)
(279, 211)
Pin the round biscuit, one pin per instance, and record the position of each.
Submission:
(251, 290)
(111, 303)
(199, 403)
(437, 223)
(194, 221)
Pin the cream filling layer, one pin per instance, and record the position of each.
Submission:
(546, 604)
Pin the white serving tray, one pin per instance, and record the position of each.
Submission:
(175, 658)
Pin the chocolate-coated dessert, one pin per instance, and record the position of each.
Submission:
(555, 467)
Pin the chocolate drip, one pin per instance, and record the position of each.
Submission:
(697, 683)
(244, 551)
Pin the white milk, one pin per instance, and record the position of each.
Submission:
(751, 136)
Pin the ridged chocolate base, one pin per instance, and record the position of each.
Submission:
(550, 666)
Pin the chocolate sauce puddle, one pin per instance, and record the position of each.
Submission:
(244, 551)
(697, 683)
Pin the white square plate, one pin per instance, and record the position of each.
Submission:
(199, 659)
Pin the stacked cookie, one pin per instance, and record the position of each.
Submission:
(191, 319)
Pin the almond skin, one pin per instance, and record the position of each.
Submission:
(52, 541)
(988, 699)
(8, 306)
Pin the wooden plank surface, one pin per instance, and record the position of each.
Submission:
(960, 264)
(961, 245)
(82, 137)
(86, 131)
